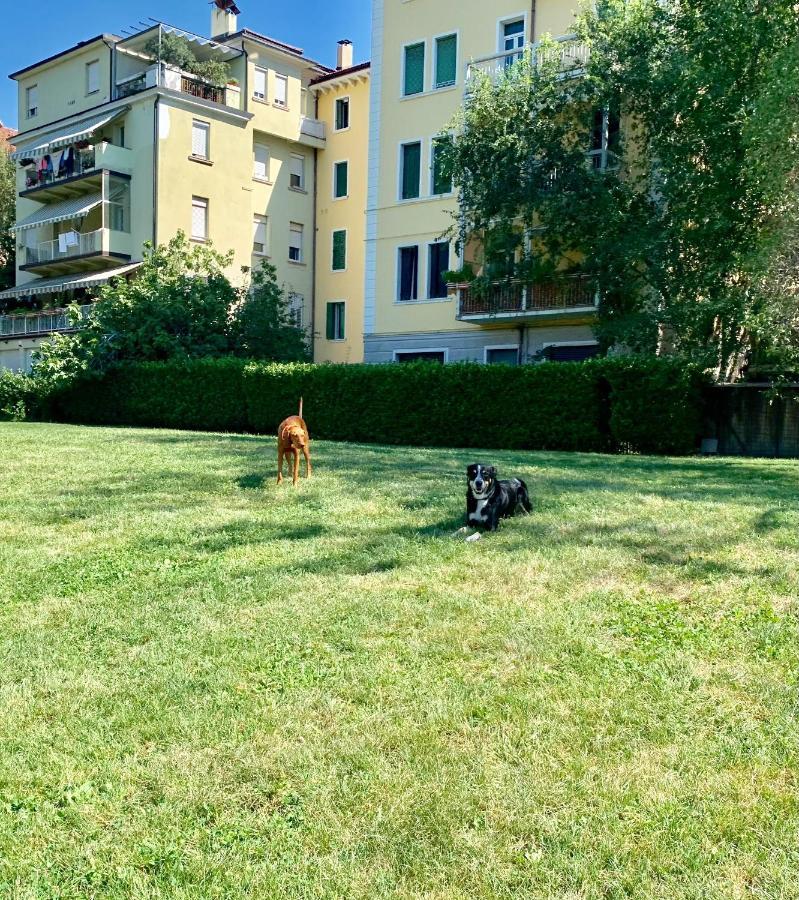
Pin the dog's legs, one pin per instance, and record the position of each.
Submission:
(308, 468)
(296, 467)
(279, 465)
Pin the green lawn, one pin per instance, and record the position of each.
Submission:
(214, 688)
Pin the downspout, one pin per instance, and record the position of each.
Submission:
(156, 141)
(315, 235)
(533, 21)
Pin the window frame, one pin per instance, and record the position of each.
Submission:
(333, 233)
(200, 202)
(255, 95)
(429, 260)
(348, 99)
(336, 164)
(302, 159)
(280, 78)
(293, 230)
(401, 169)
(32, 111)
(265, 222)
(89, 69)
(398, 289)
(341, 307)
(437, 139)
(487, 349)
(444, 351)
(434, 83)
(201, 125)
(403, 82)
(266, 178)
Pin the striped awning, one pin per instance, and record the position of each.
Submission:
(73, 208)
(69, 134)
(67, 283)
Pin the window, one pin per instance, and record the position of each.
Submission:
(259, 245)
(341, 171)
(199, 219)
(413, 78)
(342, 113)
(281, 91)
(441, 174)
(571, 352)
(93, 77)
(339, 250)
(438, 264)
(200, 132)
(261, 162)
(410, 171)
(408, 273)
(297, 310)
(446, 60)
(406, 356)
(118, 204)
(512, 39)
(502, 356)
(605, 138)
(32, 102)
(259, 86)
(295, 242)
(335, 321)
(297, 177)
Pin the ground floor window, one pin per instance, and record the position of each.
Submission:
(335, 321)
(570, 352)
(508, 356)
(404, 356)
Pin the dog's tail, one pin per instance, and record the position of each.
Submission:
(524, 498)
(300, 407)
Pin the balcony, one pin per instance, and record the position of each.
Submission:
(571, 54)
(313, 132)
(73, 252)
(85, 178)
(37, 324)
(574, 294)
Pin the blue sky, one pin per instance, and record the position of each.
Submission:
(50, 27)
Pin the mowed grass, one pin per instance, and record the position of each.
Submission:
(214, 688)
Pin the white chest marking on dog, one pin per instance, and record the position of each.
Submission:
(479, 515)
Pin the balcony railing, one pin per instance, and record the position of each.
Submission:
(70, 245)
(85, 161)
(571, 54)
(313, 128)
(38, 323)
(201, 89)
(163, 75)
(514, 297)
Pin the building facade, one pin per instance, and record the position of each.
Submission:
(423, 52)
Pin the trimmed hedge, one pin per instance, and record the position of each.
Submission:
(627, 404)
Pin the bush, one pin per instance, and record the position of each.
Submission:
(626, 404)
(22, 397)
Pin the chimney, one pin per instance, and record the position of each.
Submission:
(224, 18)
(344, 55)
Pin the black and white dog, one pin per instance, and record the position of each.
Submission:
(488, 499)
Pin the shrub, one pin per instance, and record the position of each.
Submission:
(22, 397)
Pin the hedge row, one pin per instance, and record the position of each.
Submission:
(624, 404)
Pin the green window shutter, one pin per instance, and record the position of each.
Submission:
(342, 179)
(331, 321)
(446, 60)
(339, 251)
(342, 315)
(442, 176)
(414, 70)
(411, 170)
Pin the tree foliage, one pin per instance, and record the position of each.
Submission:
(180, 305)
(8, 214)
(686, 235)
(176, 51)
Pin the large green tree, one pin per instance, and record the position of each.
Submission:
(8, 212)
(686, 230)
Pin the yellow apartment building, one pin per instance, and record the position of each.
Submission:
(343, 104)
(119, 145)
(423, 52)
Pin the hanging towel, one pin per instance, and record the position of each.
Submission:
(73, 238)
(62, 243)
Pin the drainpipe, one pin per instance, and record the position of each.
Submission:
(315, 236)
(533, 22)
(156, 141)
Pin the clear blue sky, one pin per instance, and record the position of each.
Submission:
(35, 31)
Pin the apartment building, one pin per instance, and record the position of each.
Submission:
(122, 142)
(423, 54)
(343, 104)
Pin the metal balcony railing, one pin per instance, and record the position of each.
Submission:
(515, 297)
(202, 89)
(572, 55)
(37, 323)
(70, 245)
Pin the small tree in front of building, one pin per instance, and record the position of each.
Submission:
(8, 213)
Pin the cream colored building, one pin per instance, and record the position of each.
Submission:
(422, 54)
(119, 146)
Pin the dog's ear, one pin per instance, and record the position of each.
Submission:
(492, 471)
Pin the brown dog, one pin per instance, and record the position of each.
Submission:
(293, 438)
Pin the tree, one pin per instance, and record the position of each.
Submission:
(682, 238)
(8, 214)
(264, 328)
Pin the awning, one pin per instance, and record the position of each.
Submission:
(67, 283)
(60, 212)
(70, 134)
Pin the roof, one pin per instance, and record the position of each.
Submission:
(6, 134)
(79, 46)
(340, 73)
(275, 45)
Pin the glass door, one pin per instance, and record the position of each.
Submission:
(512, 39)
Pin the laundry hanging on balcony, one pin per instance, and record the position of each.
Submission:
(70, 134)
(73, 208)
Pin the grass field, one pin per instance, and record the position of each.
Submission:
(214, 688)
